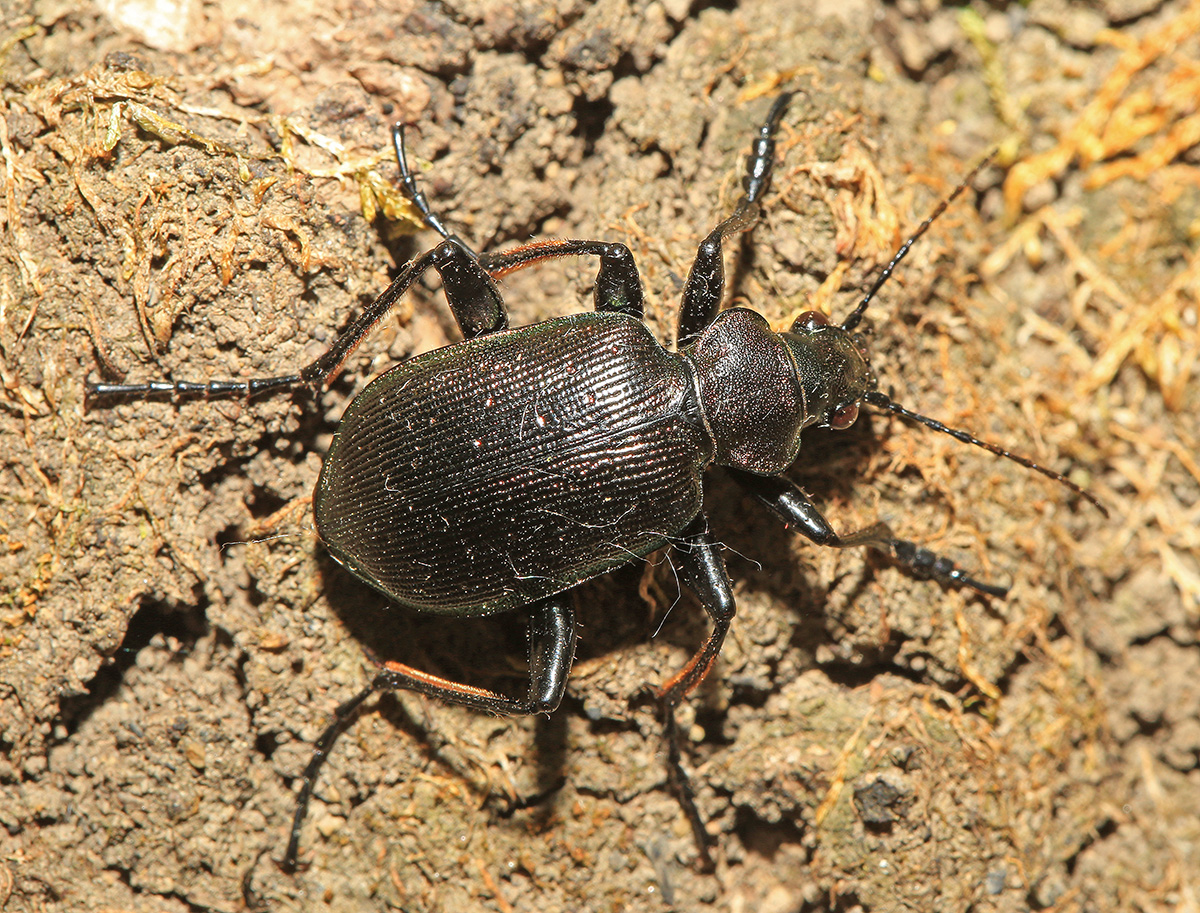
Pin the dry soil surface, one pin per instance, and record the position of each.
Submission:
(196, 191)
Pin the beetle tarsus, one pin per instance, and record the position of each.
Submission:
(796, 509)
(680, 786)
(705, 285)
(341, 718)
(416, 196)
(762, 154)
(178, 390)
(552, 634)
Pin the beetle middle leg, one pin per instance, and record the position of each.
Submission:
(704, 572)
(470, 291)
(618, 285)
(552, 633)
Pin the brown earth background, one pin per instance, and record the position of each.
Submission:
(200, 191)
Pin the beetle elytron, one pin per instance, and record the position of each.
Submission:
(497, 473)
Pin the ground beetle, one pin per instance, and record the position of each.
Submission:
(497, 473)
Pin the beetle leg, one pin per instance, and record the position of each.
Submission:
(618, 284)
(551, 653)
(470, 291)
(341, 716)
(706, 280)
(704, 572)
(472, 295)
(787, 501)
(408, 185)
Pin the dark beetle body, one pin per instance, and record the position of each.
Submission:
(483, 476)
(497, 473)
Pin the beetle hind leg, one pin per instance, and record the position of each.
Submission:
(551, 653)
(472, 296)
(341, 717)
(471, 293)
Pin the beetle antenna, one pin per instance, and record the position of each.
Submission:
(853, 320)
(882, 401)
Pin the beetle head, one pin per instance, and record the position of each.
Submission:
(833, 369)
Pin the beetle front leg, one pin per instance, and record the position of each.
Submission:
(551, 653)
(706, 279)
(787, 501)
(704, 572)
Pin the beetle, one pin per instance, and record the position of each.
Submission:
(495, 474)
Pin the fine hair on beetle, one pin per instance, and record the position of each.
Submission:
(497, 473)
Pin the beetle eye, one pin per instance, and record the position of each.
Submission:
(809, 320)
(844, 417)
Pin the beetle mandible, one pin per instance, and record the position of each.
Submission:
(497, 473)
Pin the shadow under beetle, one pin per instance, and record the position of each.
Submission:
(497, 473)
